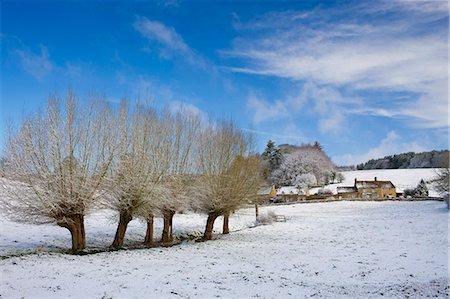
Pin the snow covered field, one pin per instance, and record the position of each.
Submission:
(401, 178)
(336, 250)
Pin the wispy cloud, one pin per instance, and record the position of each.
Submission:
(325, 102)
(291, 128)
(389, 46)
(389, 145)
(263, 110)
(286, 132)
(38, 65)
(159, 32)
(169, 3)
(171, 43)
(179, 106)
(144, 88)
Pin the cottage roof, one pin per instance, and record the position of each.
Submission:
(346, 189)
(374, 184)
(264, 191)
(288, 190)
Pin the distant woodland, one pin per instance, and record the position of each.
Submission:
(433, 159)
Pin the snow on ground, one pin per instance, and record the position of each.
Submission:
(336, 249)
(100, 229)
(401, 178)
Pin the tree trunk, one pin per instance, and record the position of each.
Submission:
(172, 212)
(149, 233)
(75, 225)
(125, 218)
(167, 236)
(226, 229)
(82, 237)
(210, 226)
(256, 211)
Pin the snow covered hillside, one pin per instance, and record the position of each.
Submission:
(402, 178)
(336, 250)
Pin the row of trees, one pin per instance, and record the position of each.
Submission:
(432, 159)
(143, 163)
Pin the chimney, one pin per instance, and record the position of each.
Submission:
(375, 179)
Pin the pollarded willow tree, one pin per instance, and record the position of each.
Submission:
(183, 127)
(227, 172)
(149, 178)
(60, 158)
(134, 183)
(244, 178)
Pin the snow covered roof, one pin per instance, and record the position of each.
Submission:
(365, 185)
(374, 184)
(288, 190)
(346, 189)
(401, 178)
(264, 191)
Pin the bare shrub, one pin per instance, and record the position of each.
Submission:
(266, 218)
(442, 180)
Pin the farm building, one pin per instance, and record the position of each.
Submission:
(268, 191)
(368, 189)
(288, 190)
(291, 190)
(285, 190)
(347, 192)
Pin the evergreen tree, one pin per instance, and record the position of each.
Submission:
(270, 147)
(318, 145)
(272, 157)
(421, 189)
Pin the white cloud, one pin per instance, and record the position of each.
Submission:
(378, 46)
(172, 44)
(328, 105)
(264, 110)
(37, 65)
(291, 133)
(332, 123)
(285, 133)
(290, 130)
(141, 87)
(169, 3)
(390, 145)
(73, 69)
(160, 96)
(159, 32)
(177, 106)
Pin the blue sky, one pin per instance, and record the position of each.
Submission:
(365, 79)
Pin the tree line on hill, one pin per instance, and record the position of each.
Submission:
(432, 159)
(73, 158)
